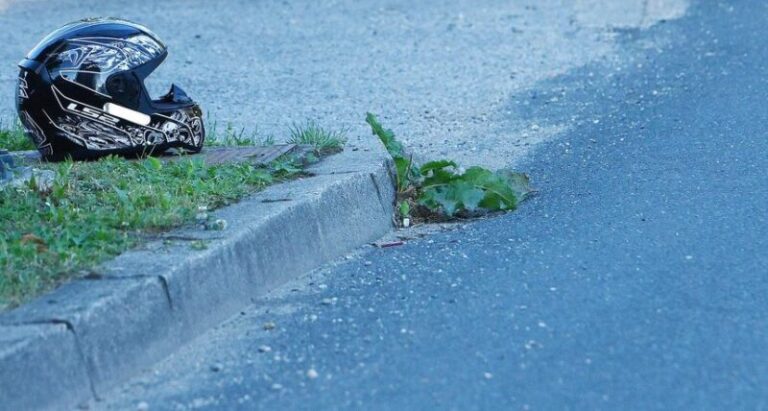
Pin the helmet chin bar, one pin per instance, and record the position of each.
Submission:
(175, 96)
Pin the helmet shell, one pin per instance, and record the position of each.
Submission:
(81, 94)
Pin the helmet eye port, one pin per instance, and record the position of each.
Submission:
(116, 85)
(124, 89)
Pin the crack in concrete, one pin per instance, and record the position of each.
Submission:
(81, 354)
(382, 202)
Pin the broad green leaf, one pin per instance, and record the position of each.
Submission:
(438, 177)
(437, 172)
(519, 182)
(387, 137)
(498, 194)
(468, 195)
(407, 174)
(446, 199)
(436, 165)
(427, 199)
(451, 198)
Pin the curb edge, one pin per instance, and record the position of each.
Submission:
(149, 301)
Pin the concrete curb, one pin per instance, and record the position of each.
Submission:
(75, 343)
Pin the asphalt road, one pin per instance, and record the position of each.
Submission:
(636, 279)
(439, 72)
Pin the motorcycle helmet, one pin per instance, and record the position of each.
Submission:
(81, 94)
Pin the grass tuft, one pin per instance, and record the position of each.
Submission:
(324, 141)
(232, 137)
(14, 138)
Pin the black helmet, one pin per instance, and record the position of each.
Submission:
(81, 94)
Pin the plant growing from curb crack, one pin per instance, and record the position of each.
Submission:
(441, 189)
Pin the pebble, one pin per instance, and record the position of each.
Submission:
(265, 348)
(218, 225)
(277, 387)
(311, 373)
(487, 375)
(269, 325)
(216, 367)
(142, 406)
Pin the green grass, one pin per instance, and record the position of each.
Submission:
(95, 210)
(309, 133)
(14, 139)
(232, 137)
(323, 140)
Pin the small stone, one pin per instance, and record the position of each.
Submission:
(264, 348)
(368, 262)
(311, 374)
(487, 375)
(329, 301)
(142, 406)
(277, 387)
(218, 225)
(269, 325)
(216, 367)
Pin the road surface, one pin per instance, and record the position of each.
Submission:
(636, 279)
(440, 72)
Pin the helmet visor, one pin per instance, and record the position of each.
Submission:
(91, 61)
